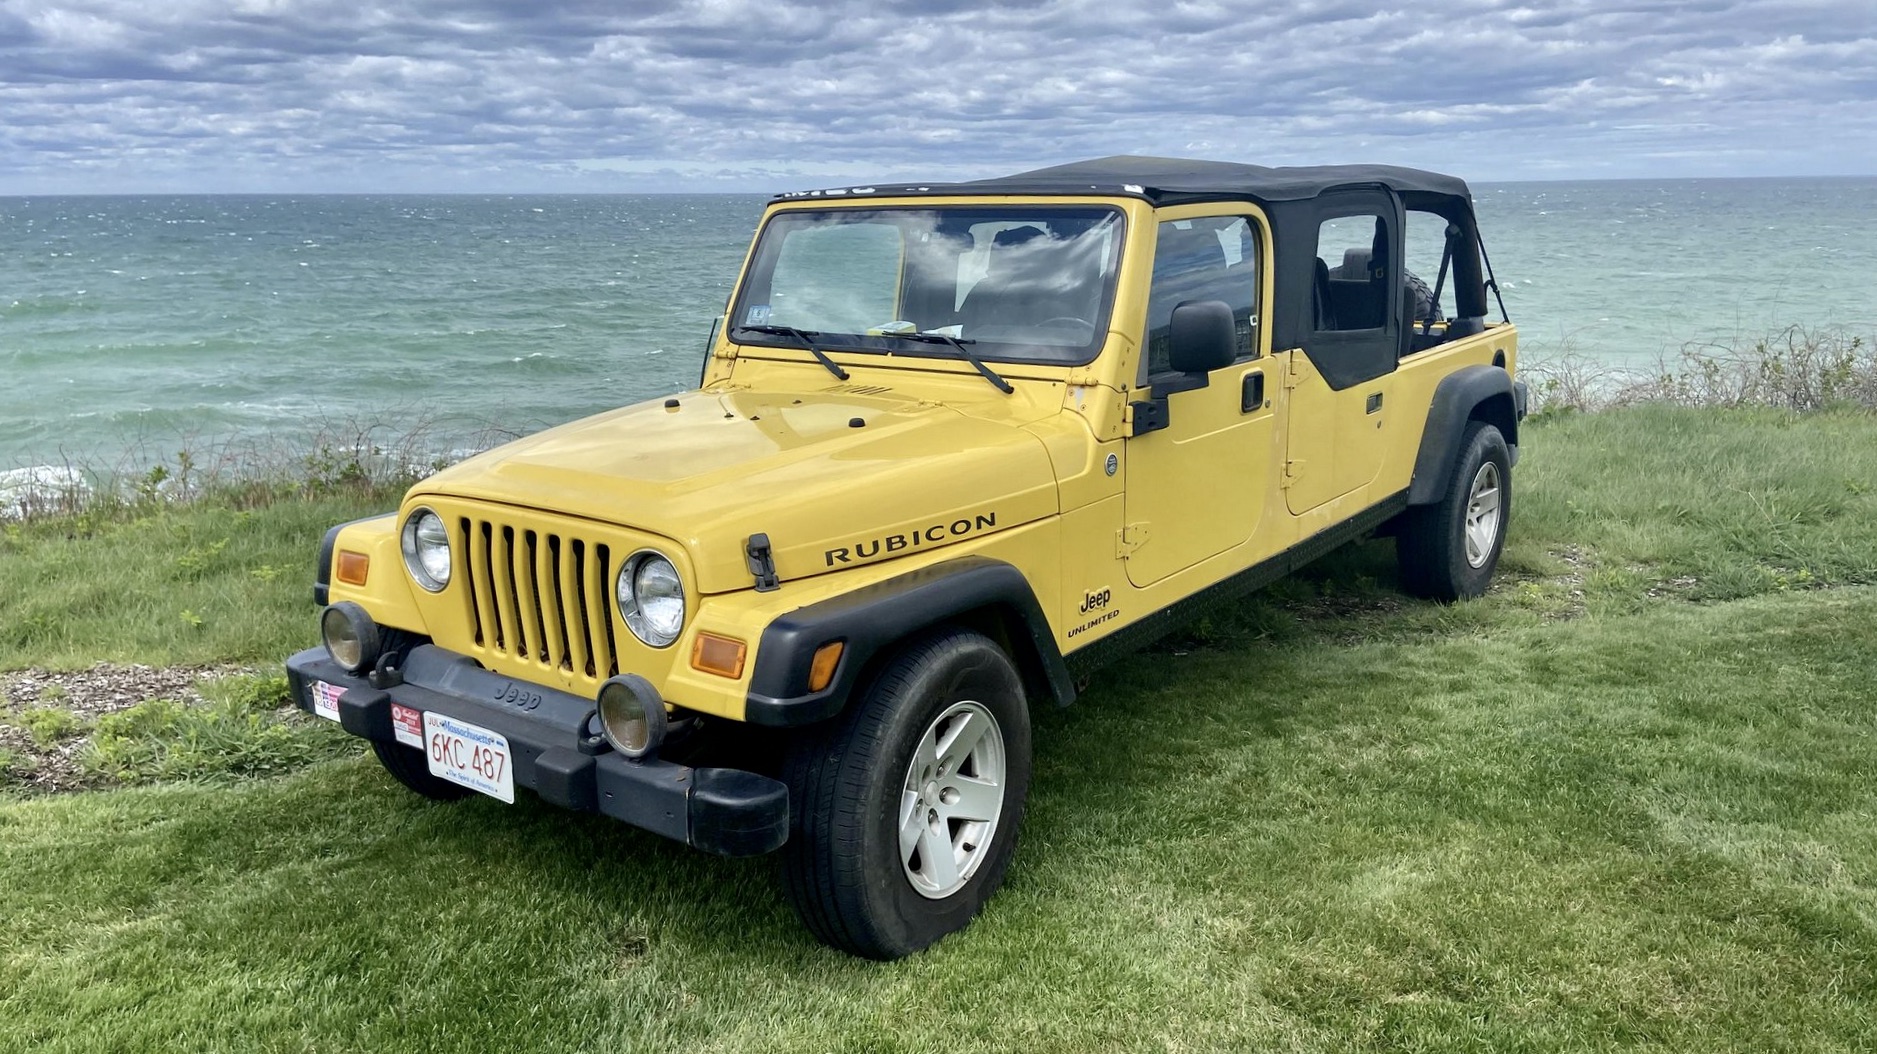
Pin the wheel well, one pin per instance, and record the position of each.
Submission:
(1005, 627)
(1497, 410)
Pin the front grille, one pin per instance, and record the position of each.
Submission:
(541, 598)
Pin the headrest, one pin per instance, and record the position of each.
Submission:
(1012, 236)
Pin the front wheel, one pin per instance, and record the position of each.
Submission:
(1447, 550)
(904, 810)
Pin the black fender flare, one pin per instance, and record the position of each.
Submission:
(871, 619)
(1486, 393)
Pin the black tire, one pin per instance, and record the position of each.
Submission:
(1425, 309)
(407, 765)
(842, 867)
(1432, 544)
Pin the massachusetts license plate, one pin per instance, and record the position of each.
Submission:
(469, 755)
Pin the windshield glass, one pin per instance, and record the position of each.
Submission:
(1030, 284)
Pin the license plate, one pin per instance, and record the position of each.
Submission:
(326, 700)
(469, 755)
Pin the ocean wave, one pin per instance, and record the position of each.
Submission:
(38, 488)
(48, 306)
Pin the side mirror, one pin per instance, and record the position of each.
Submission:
(1203, 336)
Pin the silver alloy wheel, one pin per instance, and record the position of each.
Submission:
(1482, 514)
(953, 794)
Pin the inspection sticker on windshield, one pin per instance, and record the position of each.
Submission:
(469, 755)
(326, 700)
(758, 315)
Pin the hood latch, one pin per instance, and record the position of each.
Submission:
(762, 563)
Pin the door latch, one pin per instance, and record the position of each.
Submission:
(1252, 397)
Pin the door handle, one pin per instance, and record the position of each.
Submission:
(1253, 392)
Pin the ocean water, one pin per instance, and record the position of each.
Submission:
(133, 327)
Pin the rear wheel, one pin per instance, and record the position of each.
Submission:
(409, 768)
(904, 810)
(1448, 550)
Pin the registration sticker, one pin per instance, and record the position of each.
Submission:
(326, 700)
(408, 725)
(469, 756)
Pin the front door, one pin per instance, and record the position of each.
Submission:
(1196, 487)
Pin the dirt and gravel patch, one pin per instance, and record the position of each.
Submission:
(53, 759)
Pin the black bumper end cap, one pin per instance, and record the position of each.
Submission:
(365, 712)
(738, 813)
(565, 778)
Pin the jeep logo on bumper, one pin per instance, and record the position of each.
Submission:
(937, 534)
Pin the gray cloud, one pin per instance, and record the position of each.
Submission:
(126, 95)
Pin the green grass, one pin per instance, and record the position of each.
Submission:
(197, 583)
(1626, 801)
(241, 732)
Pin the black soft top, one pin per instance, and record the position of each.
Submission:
(1296, 201)
(1175, 181)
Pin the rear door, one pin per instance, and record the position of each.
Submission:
(1338, 385)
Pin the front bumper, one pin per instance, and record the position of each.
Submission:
(726, 811)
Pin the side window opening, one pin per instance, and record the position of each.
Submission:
(1352, 273)
(1207, 258)
(1430, 280)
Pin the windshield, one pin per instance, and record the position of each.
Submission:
(1029, 284)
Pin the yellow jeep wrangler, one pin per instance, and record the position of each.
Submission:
(954, 446)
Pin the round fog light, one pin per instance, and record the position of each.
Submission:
(350, 636)
(632, 715)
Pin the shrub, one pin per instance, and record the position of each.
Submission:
(1798, 369)
(47, 724)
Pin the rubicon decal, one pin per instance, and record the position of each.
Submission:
(892, 544)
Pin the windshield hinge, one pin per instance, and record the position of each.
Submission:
(762, 563)
(1130, 538)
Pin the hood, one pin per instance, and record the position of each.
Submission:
(708, 470)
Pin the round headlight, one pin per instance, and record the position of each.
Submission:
(350, 636)
(632, 716)
(651, 598)
(426, 547)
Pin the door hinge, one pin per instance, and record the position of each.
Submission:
(1293, 470)
(1130, 538)
(1292, 371)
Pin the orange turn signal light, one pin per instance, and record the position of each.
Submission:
(722, 656)
(827, 659)
(353, 567)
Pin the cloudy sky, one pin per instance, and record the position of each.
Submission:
(762, 95)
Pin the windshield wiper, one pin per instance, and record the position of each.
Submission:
(804, 337)
(969, 355)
